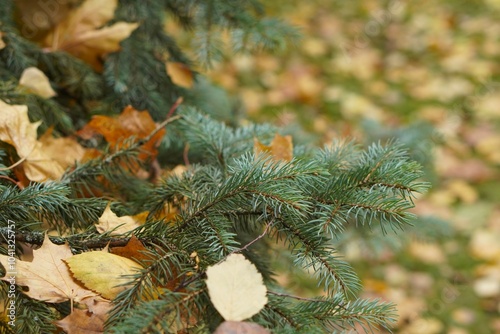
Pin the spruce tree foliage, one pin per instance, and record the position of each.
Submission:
(228, 200)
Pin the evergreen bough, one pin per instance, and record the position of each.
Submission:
(228, 200)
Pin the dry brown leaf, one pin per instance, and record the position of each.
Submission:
(47, 276)
(109, 221)
(180, 74)
(79, 32)
(134, 250)
(281, 148)
(36, 82)
(17, 130)
(240, 327)
(66, 150)
(103, 272)
(90, 320)
(130, 122)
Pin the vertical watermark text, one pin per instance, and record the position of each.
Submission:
(11, 272)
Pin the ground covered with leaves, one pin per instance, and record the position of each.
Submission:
(424, 73)
(427, 72)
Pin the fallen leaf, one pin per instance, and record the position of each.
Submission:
(36, 82)
(427, 252)
(103, 272)
(281, 148)
(134, 250)
(17, 130)
(66, 151)
(487, 287)
(240, 327)
(2, 42)
(80, 32)
(465, 192)
(180, 74)
(484, 245)
(130, 122)
(236, 288)
(90, 320)
(47, 276)
(109, 221)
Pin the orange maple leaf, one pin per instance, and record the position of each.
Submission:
(130, 122)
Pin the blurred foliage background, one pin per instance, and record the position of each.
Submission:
(428, 73)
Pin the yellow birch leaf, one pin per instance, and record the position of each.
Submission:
(103, 272)
(109, 221)
(80, 33)
(47, 276)
(236, 288)
(36, 82)
(281, 148)
(180, 74)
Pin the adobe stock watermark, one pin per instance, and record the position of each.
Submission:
(373, 28)
(11, 272)
(40, 20)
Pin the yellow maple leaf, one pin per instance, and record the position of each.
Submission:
(36, 82)
(236, 288)
(103, 272)
(47, 276)
(17, 130)
(41, 160)
(281, 148)
(80, 33)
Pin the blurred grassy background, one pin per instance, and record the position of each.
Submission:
(428, 73)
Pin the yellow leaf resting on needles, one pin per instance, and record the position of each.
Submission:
(236, 288)
(103, 272)
(17, 130)
(47, 276)
(36, 82)
(180, 74)
(109, 221)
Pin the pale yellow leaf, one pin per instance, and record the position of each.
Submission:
(47, 276)
(109, 221)
(103, 272)
(236, 288)
(36, 82)
(2, 42)
(180, 74)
